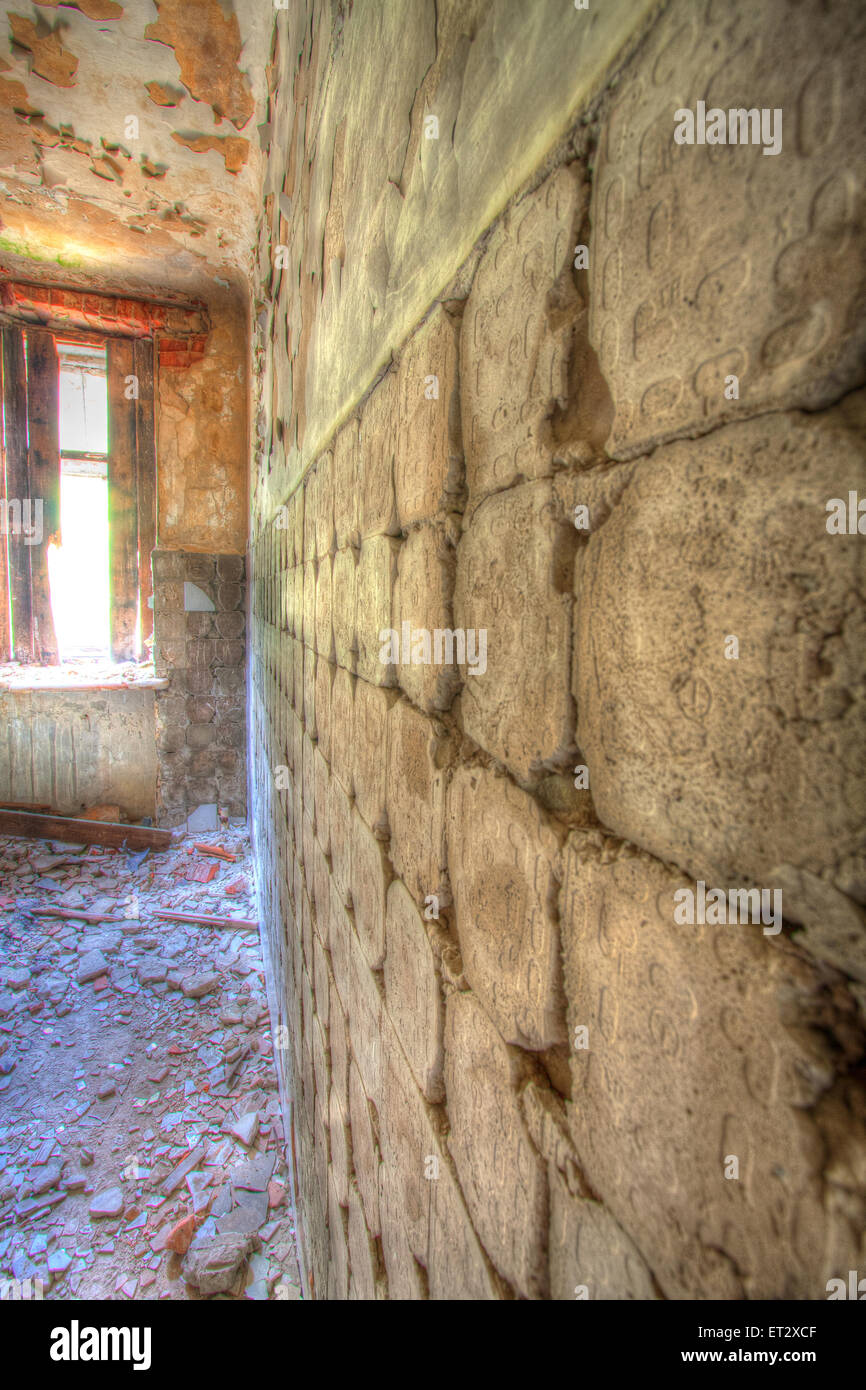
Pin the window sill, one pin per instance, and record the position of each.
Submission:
(81, 675)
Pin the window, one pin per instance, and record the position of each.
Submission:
(78, 567)
(78, 523)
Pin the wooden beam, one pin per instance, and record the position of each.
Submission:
(83, 832)
(145, 435)
(18, 488)
(198, 920)
(43, 425)
(122, 518)
(69, 916)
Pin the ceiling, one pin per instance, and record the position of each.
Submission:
(129, 151)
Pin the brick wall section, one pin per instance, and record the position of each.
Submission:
(200, 720)
(453, 1137)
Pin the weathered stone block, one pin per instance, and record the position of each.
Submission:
(409, 1141)
(309, 784)
(501, 855)
(422, 598)
(457, 1269)
(428, 463)
(341, 1151)
(770, 288)
(347, 485)
(310, 604)
(338, 1038)
(670, 1087)
(516, 337)
(340, 824)
(325, 672)
(343, 606)
(339, 1246)
(341, 943)
(324, 610)
(323, 493)
(365, 1148)
(370, 1032)
(296, 517)
(298, 605)
(514, 582)
(374, 587)
(378, 437)
(365, 1283)
(507, 1200)
(310, 516)
(731, 767)
(589, 1249)
(370, 877)
(309, 692)
(322, 778)
(342, 719)
(413, 993)
(418, 754)
(370, 752)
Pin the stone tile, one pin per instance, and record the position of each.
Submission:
(370, 752)
(588, 1250)
(422, 599)
(418, 753)
(409, 1141)
(342, 717)
(765, 289)
(343, 602)
(370, 877)
(670, 1086)
(366, 1282)
(310, 604)
(378, 438)
(325, 672)
(428, 463)
(731, 767)
(347, 485)
(374, 587)
(324, 609)
(340, 821)
(365, 1148)
(516, 337)
(514, 581)
(501, 856)
(507, 1200)
(413, 993)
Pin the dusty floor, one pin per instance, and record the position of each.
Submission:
(136, 1079)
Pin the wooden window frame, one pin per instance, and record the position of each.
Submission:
(30, 469)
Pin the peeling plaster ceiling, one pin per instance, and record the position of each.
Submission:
(129, 149)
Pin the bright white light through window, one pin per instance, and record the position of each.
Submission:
(78, 570)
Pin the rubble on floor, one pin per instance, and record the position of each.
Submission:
(87, 673)
(141, 1144)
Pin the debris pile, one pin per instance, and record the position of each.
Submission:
(141, 1144)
